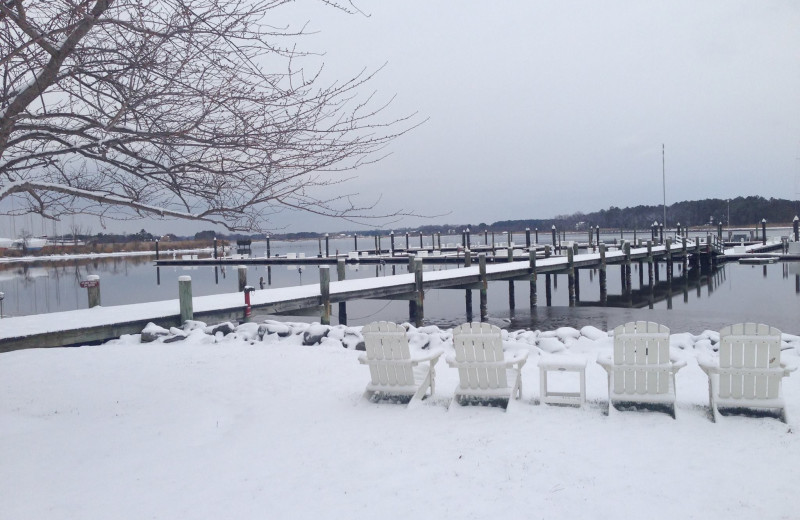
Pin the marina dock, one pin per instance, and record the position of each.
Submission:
(102, 323)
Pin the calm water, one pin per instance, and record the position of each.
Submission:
(769, 294)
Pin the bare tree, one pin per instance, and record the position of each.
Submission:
(194, 109)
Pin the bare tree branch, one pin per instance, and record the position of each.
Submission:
(190, 109)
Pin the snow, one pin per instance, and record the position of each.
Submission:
(234, 426)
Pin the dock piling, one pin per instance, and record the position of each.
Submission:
(242, 270)
(532, 257)
(93, 290)
(341, 275)
(484, 285)
(325, 294)
(185, 298)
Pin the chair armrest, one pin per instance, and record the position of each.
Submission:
(519, 358)
(677, 365)
(707, 364)
(432, 356)
(605, 362)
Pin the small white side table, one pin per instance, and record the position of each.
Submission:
(562, 364)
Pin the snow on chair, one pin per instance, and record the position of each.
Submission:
(394, 372)
(484, 373)
(747, 376)
(640, 370)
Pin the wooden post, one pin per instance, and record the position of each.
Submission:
(185, 298)
(510, 252)
(319, 242)
(548, 291)
(486, 237)
(669, 261)
(468, 242)
(661, 233)
(764, 231)
(528, 238)
(391, 243)
(510, 238)
(468, 263)
(597, 230)
(554, 237)
(532, 259)
(215, 249)
(591, 242)
(484, 285)
(493, 243)
(536, 235)
(547, 251)
(355, 241)
(641, 274)
(511, 296)
(407, 247)
(626, 248)
(719, 230)
(571, 276)
(340, 275)
(269, 252)
(242, 270)
(93, 290)
(420, 239)
(325, 294)
(327, 246)
(420, 293)
(796, 226)
(439, 239)
(603, 287)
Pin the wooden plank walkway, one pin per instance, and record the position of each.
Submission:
(102, 323)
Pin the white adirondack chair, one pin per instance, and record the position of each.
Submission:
(484, 373)
(640, 370)
(393, 372)
(748, 373)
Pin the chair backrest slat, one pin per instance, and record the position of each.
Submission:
(641, 358)
(387, 341)
(750, 349)
(477, 343)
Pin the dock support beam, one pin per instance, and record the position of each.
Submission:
(93, 291)
(185, 298)
(669, 261)
(242, 270)
(325, 294)
(484, 285)
(419, 310)
(340, 275)
(571, 276)
(603, 287)
(532, 256)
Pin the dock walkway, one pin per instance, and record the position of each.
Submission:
(103, 323)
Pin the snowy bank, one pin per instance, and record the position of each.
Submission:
(266, 420)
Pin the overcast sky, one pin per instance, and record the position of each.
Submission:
(540, 108)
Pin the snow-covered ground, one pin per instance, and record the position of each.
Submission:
(238, 427)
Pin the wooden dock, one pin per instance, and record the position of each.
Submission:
(103, 323)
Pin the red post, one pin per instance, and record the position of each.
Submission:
(247, 309)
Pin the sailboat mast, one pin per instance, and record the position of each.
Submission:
(664, 183)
